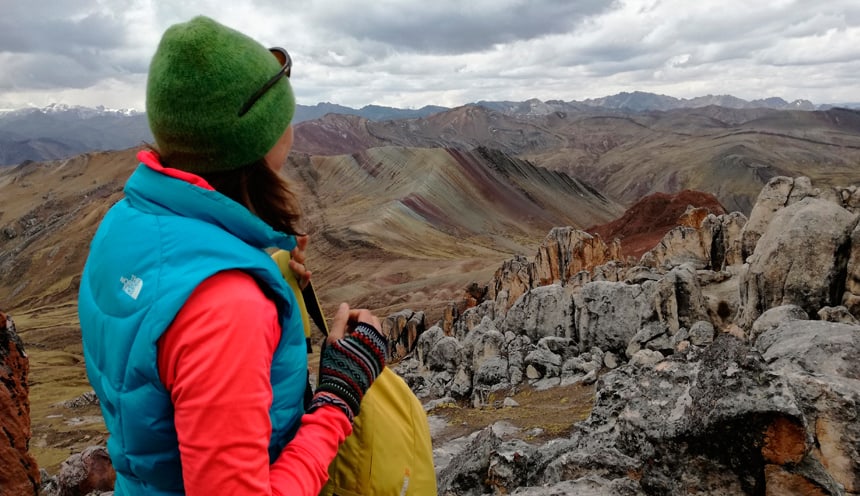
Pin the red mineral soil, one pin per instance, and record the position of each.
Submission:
(645, 223)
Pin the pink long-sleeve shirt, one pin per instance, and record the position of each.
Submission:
(215, 362)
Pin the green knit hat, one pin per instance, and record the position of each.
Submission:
(200, 77)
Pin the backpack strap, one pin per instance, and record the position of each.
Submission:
(312, 304)
(309, 304)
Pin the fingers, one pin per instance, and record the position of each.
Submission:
(345, 319)
(339, 323)
(364, 315)
(297, 261)
(298, 253)
(303, 275)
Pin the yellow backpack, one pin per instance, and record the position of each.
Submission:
(389, 452)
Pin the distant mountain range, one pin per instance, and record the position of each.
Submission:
(60, 131)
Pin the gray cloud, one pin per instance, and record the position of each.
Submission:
(68, 45)
(404, 53)
(456, 26)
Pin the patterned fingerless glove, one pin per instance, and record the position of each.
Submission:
(348, 367)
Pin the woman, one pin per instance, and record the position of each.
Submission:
(192, 339)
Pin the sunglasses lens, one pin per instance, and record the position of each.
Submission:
(281, 56)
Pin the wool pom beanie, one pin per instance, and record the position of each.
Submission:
(200, 77)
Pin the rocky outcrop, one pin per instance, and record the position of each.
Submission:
(777, 194)
(567, 251)
(563, 255)
(801, 259)
(821, 361)
(851, 297)
(724, 419)
(550, 335)
(87, 473)
(709, 242)
(19, 473)
(402, 330)
(701, 406)
(511, 280)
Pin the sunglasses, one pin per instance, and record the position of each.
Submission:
(286, 64)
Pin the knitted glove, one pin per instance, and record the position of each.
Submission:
(348, 367)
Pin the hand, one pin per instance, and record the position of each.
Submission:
(346, 319)
(353, 357)
(297, 261)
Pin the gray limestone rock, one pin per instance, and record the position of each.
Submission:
(492, 371)
(646, 358)
(851, 296)
(649, 332)
(426, 342)
(544, 362)
(778, 193)
(609, 314)
(591, 485)
(822, 362)
(677, 299)
(540, 312)
(681, 245)
(465, 474)
(774, 317)
(838, 314)
(701, 333)
(445, 354)
(800, 259)
(732, 238)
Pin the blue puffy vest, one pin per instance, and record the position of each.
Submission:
(151, 251)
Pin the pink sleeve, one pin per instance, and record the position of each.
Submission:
(215, 361)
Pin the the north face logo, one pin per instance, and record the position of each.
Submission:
(132, 285)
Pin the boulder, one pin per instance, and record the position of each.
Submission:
(680, 245)
(850, 197)
(646, 358)
(19, 473)
(677, 299)
(813, 347)
(426, 342)
(542, 363)
(472, 317)
(609, 314)
(610, 271)
(851, 297)
(88, 472)
(800, 259)
(837, 314)
(445, 354)
(774, 317)
(517, 346)
(542, 311)
(701, 333)
(703, 240)
(466, 474)
(706, 423)
(822, 361)
(778, 193)
(649, 333)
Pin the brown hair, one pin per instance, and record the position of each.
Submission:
(262, 191)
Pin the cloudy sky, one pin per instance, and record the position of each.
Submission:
(408, 53)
